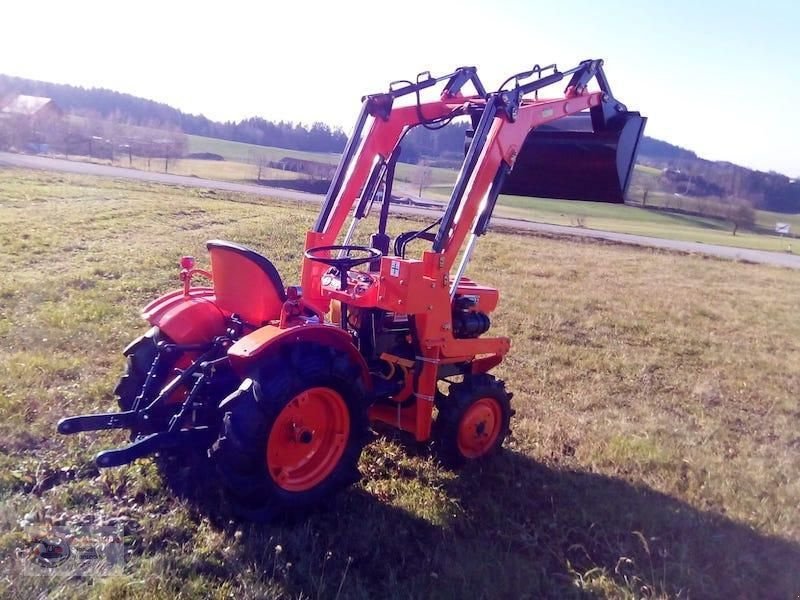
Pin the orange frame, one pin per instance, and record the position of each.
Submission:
(421, 288)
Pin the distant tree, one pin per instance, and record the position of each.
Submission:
(261, 162)
(423, 176)
(15, 132)
(6, 134)
(741, 214)
(664, 152)
(443, 147)
(173, 147)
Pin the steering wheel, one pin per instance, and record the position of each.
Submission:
(343, 263)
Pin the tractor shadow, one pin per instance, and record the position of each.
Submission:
(514, 528)
(591, 528)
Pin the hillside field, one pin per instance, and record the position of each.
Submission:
(240, 165)
(623, 218)
(594, 215)
(655, 450)
(247, 153)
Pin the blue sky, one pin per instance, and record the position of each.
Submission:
(715, 77)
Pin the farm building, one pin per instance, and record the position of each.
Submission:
(32, 107)
(28, 122)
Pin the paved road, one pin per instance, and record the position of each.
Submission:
(741, 254)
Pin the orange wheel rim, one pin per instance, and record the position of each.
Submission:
(308, 439)
(479, 428)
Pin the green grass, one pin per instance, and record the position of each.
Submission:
(441, 180)
(239, 166)
(207, 169)
(241, 152)
(654, 451)
(644, 169)
(767, 220)
(635, 220)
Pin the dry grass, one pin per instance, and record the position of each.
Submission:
(655, 449)
(243, 172)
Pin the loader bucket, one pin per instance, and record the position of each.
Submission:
(570, 159)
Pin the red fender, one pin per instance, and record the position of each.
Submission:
(192, 319)
(247, 351)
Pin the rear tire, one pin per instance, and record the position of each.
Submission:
(140, 356)
(182, 468)
(473, 420)
(292, 435)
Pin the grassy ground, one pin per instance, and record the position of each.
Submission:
(206, 169)
(641, 221)
(768, 219)
(595, 215)
(240, 165)
(241, 152)
(655, 450)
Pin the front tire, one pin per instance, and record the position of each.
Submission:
(473, 420)
(292, 435)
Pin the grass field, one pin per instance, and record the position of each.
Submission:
(594, 215)
(655, 450)
(622, 218)
(242, 152)
(617, 218)
(238, 151)
(206, 169)
(240, 165)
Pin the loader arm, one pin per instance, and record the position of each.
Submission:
(371, 149)
(431, 292)
(506, 119)
(364, 154)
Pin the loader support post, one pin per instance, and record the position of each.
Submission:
(387, 192)
(481, 225)
(463, 265)
(380, 240)
(341, 170)
(465, 176)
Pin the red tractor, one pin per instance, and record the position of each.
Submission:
(278, 386)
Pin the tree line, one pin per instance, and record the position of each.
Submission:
(103, 104)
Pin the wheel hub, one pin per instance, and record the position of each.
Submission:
(303, 435)
(479, 427)
(307, 439)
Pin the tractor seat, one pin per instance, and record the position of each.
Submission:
(245, 282)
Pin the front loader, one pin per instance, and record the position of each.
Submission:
(278, 386)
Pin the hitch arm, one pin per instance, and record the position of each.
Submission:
(196, 437)
(97, 422)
